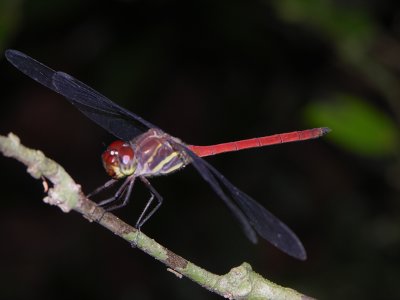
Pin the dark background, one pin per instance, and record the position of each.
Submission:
(209, 72)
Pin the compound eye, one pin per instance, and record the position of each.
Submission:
(119, 159)
(125, 154)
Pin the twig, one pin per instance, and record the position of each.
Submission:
(240, 283)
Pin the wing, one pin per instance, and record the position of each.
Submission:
(249, 212)
(112, 117)
(109, 115)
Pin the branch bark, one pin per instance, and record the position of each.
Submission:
(239, 283)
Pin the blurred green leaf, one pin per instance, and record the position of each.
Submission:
(356, 125)
(355, 34)
(9, 18)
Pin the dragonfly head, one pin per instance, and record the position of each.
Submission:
(119, 160)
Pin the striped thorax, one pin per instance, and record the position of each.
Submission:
(153, 153)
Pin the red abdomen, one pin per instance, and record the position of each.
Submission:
(294, 136)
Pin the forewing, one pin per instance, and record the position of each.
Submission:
(109, 115)
(115, 119)
(251, 212)
(32, 68)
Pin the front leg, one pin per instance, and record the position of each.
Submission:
(125, 188)
(105, 186)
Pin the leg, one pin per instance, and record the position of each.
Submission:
(125, 188)
(134, 242)
(143, 217)
(145, 209)
(103, 187)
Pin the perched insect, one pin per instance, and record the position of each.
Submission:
(146, 151)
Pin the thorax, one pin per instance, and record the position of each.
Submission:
(158, 153)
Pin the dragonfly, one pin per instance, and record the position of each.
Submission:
(144, 151)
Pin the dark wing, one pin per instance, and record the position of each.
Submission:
(249, 212)
(112, 117)
(109, 115)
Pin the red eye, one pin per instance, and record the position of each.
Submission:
(119, 159)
